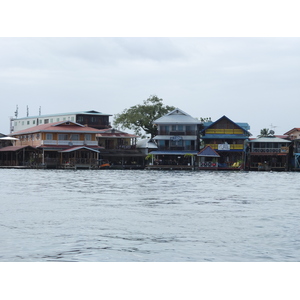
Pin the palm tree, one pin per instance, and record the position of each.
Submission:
(266, 132)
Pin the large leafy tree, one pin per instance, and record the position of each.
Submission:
(139, 118)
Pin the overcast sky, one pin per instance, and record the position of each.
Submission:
(253, 80)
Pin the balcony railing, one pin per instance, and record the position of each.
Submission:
(69, 143)
(224, 131)
(228, 146)
(188, 132)
(270, 150)
(174, 148)
(208, 164)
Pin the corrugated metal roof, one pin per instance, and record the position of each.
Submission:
(208, 152)
(78, 148)
(177, 116)
(271, 139)
(292, 130)
(14, 148)
(146, 143)
(57, 126)
(115, 133)
(241, 125)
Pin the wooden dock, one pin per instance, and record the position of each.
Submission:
(170, 167)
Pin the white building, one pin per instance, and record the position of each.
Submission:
(90, 118)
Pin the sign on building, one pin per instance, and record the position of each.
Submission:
(223, 147)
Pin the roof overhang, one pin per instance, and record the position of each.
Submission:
(267, 154)
(16, 148)
(78, 148)
(179, 152)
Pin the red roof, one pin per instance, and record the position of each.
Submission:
(114, 133)
(14, 148)
(58, 126)
(63, 147)
(292, 130)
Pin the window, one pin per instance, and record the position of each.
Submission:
(164, 130)
(33, 122)
(63, 137)
(177, 143)
(46, 121)
(74, 137)
(161, 143)
(49, 136)
(64, 119)
(72, 118)
(88, 137)
(57, 119)
(22, 122)
(28, 122)
(51, 120)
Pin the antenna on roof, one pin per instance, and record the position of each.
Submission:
(272, 126)
(272, 131)
(40, 110)
(16, 112)
(27, 114)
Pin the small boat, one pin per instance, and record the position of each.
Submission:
(104, 166)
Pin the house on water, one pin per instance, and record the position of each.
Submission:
(294, 158)
(269, 153)
(228, 139)
(120, 149)
(177, 141)
(89, 118)
(62, 144)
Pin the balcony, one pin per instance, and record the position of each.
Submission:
(271, 150)
(226, 146)
(188, 132)
(176, 148)
(69, 143)
(224, 131)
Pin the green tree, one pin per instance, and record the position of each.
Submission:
(139, 118)
(266, 132)
(204, 120)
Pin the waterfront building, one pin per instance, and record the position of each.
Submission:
(63, 144)
(228, 139)
(208, 159)
(269, 153)
(146, 146)
(5, 140)
(120, 149)
(177, 139)
(294, 136)
(89, 118)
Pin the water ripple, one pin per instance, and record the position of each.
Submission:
(128, 215)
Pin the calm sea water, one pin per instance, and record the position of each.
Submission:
(149, 216)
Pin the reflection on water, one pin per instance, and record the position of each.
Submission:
(126, 215)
